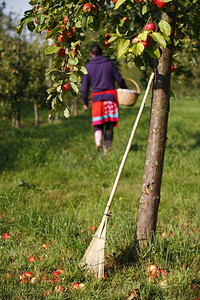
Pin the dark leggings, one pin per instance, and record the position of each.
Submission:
(108, 136)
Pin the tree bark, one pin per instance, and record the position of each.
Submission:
(16, 115)
(36, 113)
(153, 169)
(74, 108)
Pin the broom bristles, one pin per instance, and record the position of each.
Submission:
(93, 260)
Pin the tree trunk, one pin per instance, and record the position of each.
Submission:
(16, 115)
(36, 113)
(152, 176)
(74, 108)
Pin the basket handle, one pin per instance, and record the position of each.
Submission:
(133, 81)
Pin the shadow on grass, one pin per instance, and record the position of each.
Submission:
(126, 257)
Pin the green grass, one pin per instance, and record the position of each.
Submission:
(54, 186)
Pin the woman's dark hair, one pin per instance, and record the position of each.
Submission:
(96, 49)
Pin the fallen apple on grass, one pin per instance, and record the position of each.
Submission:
(76, 285)
(31, 259)
(94, 228)
(6, 236)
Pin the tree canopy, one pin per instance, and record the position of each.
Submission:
(124, 27)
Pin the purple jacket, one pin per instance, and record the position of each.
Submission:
(102, 74)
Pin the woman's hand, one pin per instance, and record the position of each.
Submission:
(86, 107)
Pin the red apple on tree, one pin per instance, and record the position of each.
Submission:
(62, 38)
(106, 43)
(87, 7)
(173, 68)
(135, 40)
(139, 1)
(107, 35)
(68, 34)
(160, 3)
(95, 8)
(61, 52)
(125, 19)
(148, 42)
(150, 26)
(66, 18)
(115, 1)
(66, 87)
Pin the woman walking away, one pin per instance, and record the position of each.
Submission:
(102, 75)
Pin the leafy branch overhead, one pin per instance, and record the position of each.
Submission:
(131, 29)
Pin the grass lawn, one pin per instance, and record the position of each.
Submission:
(54, 187)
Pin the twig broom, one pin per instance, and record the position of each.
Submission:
(93, 259)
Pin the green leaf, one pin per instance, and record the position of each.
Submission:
(144, 9)
(164, 27)
(112, 39)
(73, 61)
(51, 50)
(66, 113)
(20, 28)
(122, 47)
(84, 70)
(74, 86)
(75, 78)
(143, 36)
(154, 51)
(139, 49)
(31, 26)
(119, 3)
(157, 37)
(33, 2)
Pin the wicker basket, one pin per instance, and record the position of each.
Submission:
(128, 97)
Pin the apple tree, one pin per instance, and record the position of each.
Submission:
(22, 71)
(148, 34)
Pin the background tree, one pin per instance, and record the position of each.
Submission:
(147, 34)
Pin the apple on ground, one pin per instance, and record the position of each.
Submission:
(94, 228)
(59, 288)
(31, 259)
(6, 236)
(33, 280)
(28, 274)
(76, 285)
(150, 268)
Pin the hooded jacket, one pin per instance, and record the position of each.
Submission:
(102, 74)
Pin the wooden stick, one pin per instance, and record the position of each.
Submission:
(106, 213)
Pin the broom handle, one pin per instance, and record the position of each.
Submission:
(106, 213)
